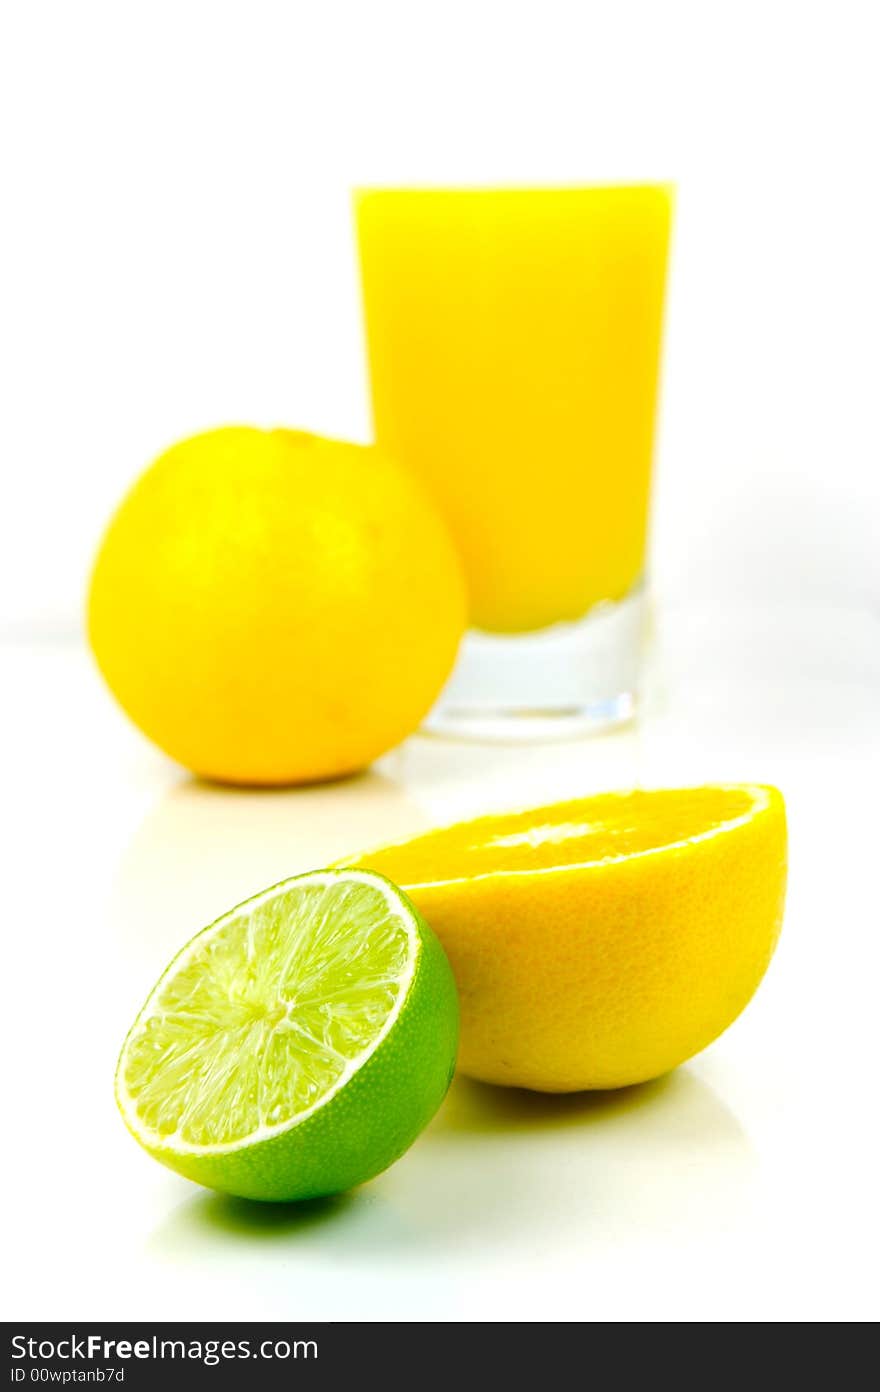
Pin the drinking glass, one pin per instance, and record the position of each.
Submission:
(513, 342)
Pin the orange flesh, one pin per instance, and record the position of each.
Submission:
(584, 831)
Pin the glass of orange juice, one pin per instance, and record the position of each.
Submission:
(513, 340)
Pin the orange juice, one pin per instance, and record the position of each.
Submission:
(513, 341)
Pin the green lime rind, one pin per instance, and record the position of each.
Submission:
(359, 1129)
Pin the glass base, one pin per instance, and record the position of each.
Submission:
(569, 680)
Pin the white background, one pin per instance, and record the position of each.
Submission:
(176, 253)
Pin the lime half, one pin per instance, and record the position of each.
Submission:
(298, 1045)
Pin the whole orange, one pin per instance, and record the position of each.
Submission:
(273, 607)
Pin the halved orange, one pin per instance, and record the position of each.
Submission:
(601, 942)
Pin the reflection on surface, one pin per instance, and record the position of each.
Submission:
(515, 1170)
(474, 1108)
(236, 1218)
(208, 1222)
(205, 848)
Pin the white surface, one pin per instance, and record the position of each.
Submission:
(741, 1187)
